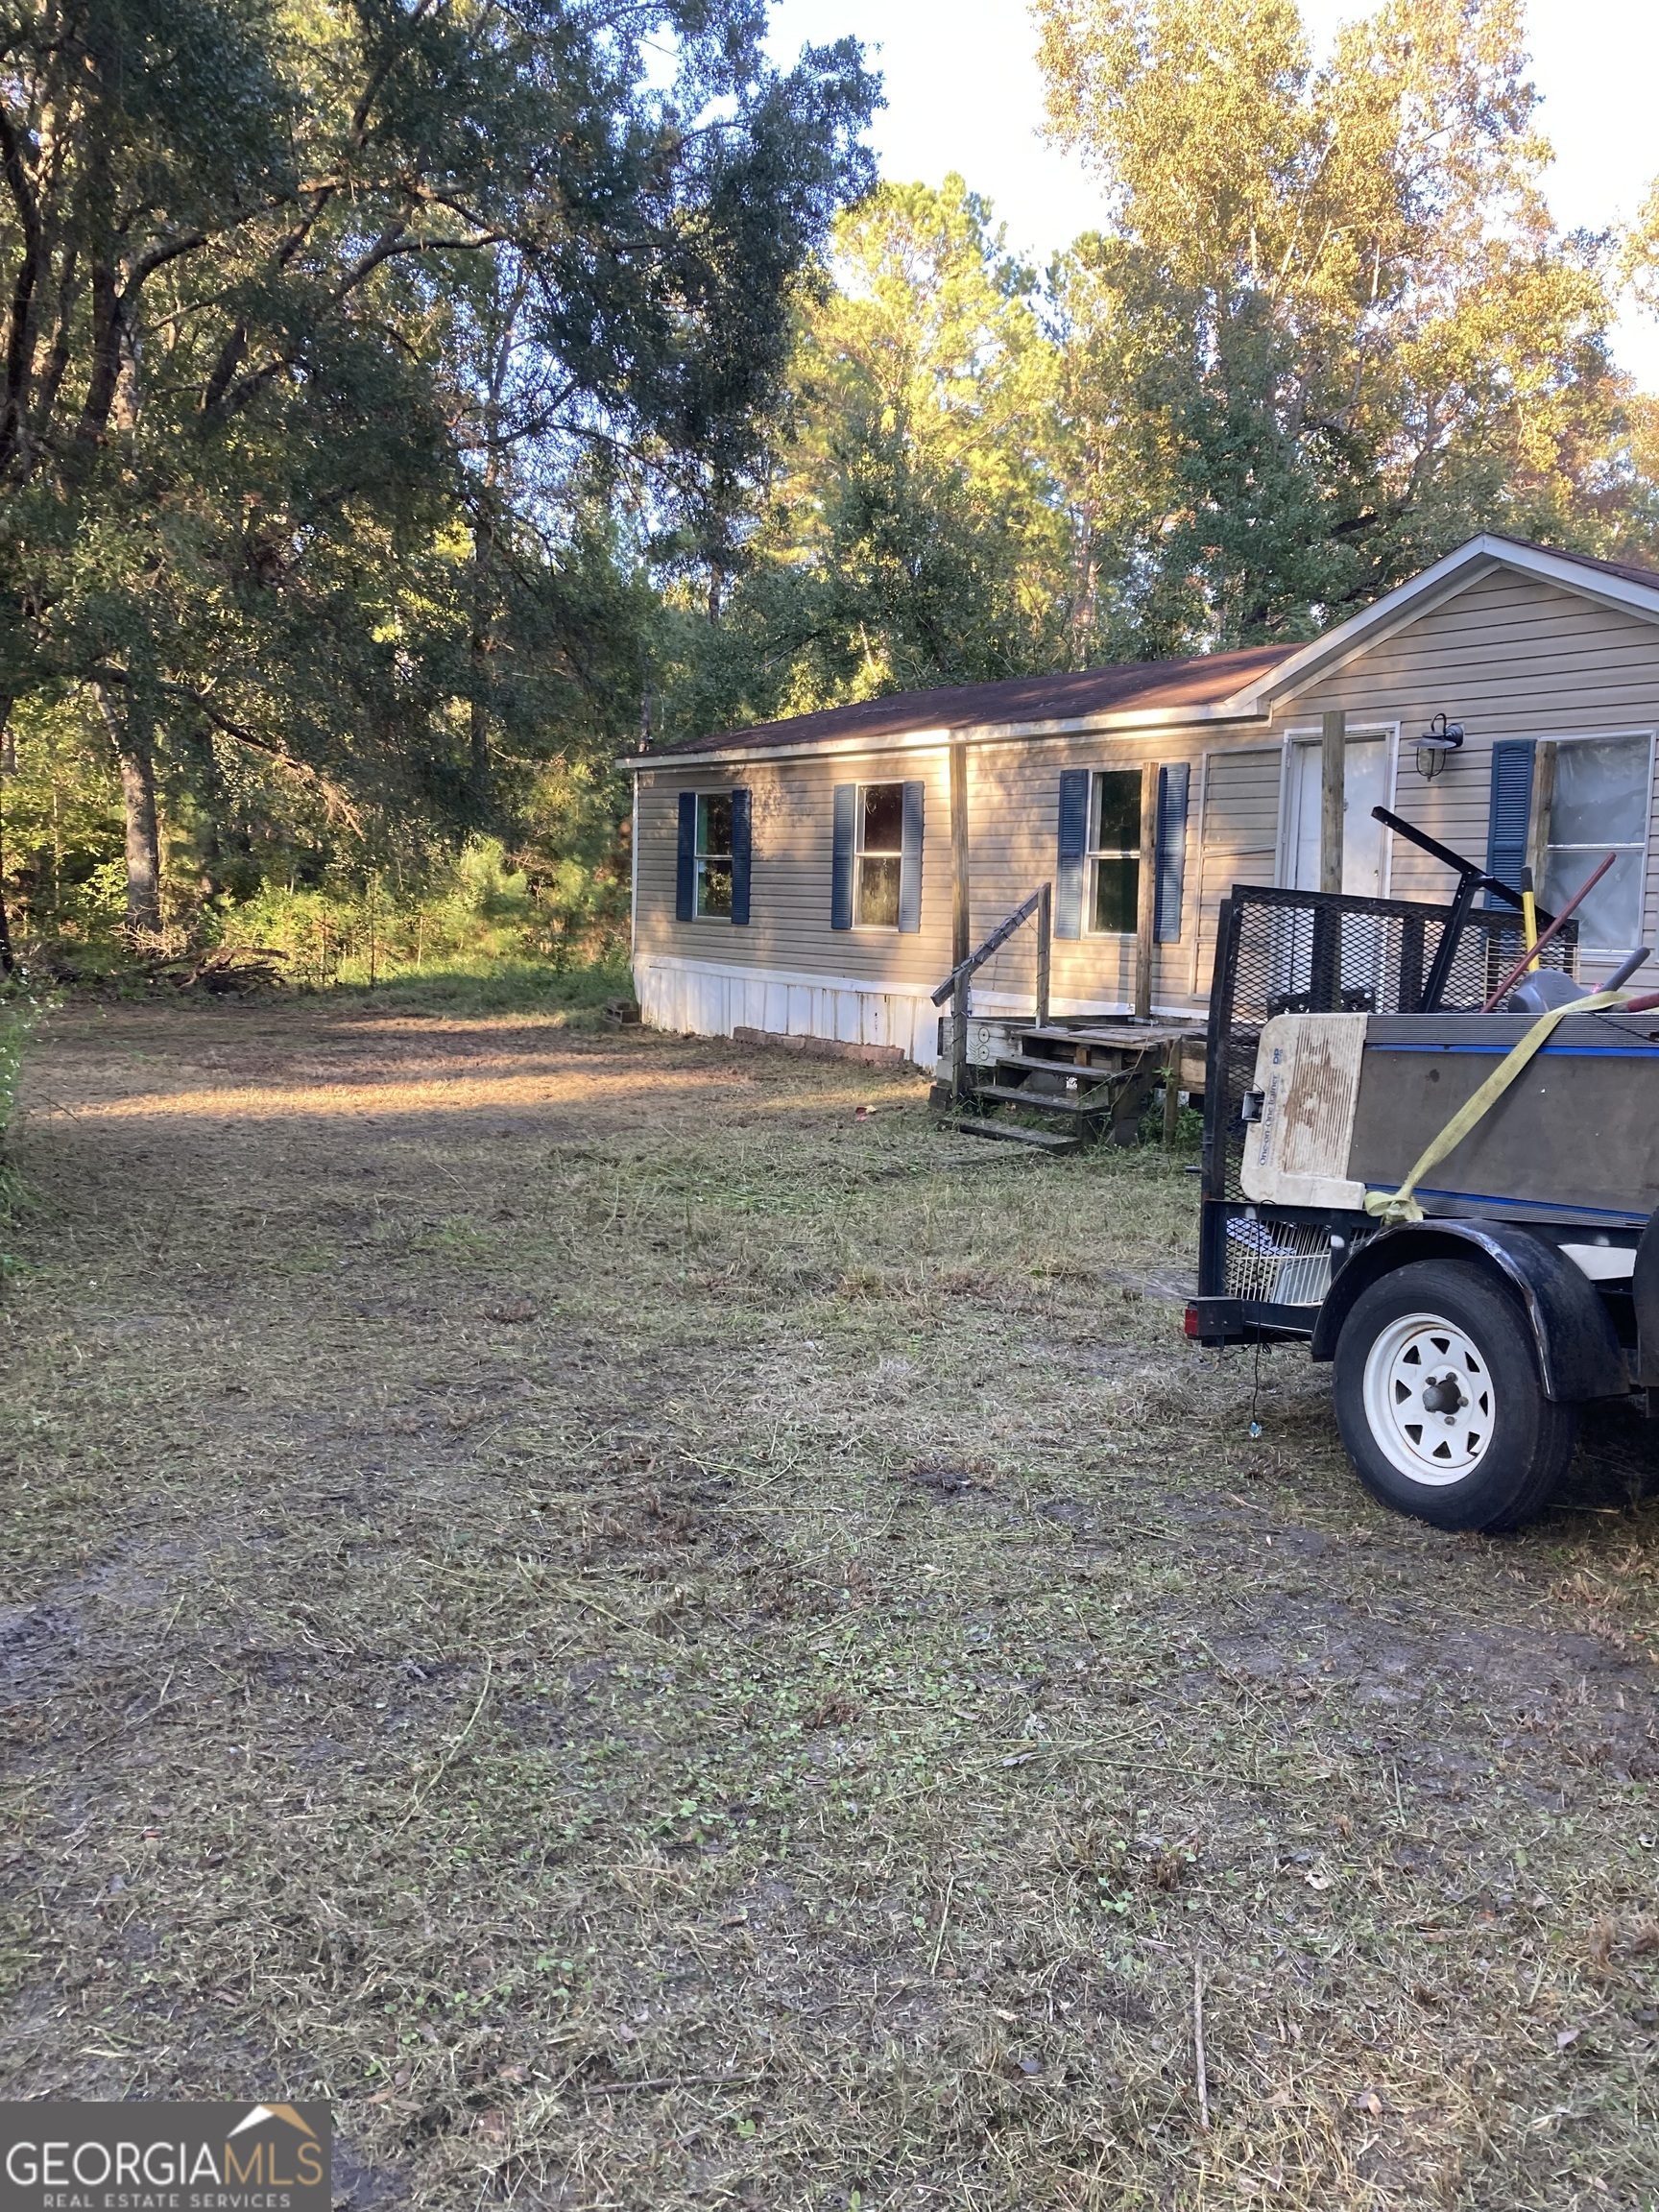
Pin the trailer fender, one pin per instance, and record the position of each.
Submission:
(1578, 1351)
(1644, 1292)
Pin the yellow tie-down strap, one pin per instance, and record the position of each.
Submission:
(1395, 1206)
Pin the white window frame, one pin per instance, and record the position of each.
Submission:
(1363, 732)
(701, 857)
(1605, 845)
(880, 852)
(1093, 853)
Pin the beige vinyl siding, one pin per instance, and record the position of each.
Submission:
(1014, 800)
(1237, 837)
(1509, 657)
(1014, 845)
(791, 806)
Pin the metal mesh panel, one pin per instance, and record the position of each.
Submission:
(1287, 1262)
(1300, 951)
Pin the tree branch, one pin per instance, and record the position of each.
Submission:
(337, 801)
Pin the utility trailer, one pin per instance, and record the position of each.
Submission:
(1345, 1034)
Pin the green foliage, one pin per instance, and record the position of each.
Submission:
(353, 355)
(1331, 327)
(17, 1016)
(473, 914)
(403, 407)
(912, 529)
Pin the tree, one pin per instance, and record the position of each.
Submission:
(251, 258)
(911, 531)
(1331, 323)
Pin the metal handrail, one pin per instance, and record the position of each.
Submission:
(955, 987)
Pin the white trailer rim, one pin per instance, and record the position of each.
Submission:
(1429, 1399)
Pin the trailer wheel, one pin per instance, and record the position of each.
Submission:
(1440, 1399)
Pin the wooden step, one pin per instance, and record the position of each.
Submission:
(1087, 1079)
(1122, 1036)
(1010, 1133)
(1045, 1101)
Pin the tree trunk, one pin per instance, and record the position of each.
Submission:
(131, 734)
(479, 776)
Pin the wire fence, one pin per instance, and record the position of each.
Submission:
(1317, 952)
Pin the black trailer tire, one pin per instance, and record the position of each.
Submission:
(1440, 1402)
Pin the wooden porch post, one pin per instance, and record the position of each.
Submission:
(961, 914)
(1146, 910)
(1332, 767)
(1538, 812)
(1044, 950)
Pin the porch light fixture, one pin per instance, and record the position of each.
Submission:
(1436, 746)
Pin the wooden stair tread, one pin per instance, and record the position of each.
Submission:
(1045, 1102)
(1009, 1133)
(1131, 1034)
(1094, 1076)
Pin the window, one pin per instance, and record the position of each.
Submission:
(1600, 805)
(876, 856)
(713, 855)
(1114, 851)
(714, 850)
(881, 855)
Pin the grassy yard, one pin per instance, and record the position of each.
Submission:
(667, 1636)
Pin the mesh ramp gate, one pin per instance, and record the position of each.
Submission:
(1319, 953)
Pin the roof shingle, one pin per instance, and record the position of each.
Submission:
(1062, 698)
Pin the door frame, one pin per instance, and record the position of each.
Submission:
(1310, 733)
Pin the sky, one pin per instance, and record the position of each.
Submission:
(963, 92)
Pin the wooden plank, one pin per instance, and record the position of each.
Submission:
(1171, 1093)
(1146, 910)
(1544, 758)
(1334, 744)
(1044, 950)
(961, 916)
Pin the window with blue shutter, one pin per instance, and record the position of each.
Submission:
(910, 859)
(1073, 844)
(686, 860)
(711, 866)
(846, 827)
(1172, 786)
(1511, 805)
(742, 853)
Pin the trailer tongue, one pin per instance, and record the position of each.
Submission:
(1477, 1257)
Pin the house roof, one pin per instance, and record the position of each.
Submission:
(1149, 686)
(1242, 684)
(1628, 569)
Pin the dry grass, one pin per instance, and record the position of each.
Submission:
(664, 1644)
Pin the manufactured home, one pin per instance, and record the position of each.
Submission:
(819, 876)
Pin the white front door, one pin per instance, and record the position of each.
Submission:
(1365, 783)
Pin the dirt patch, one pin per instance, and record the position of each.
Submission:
(664, 1641)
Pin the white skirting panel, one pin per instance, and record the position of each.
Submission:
(703, 998)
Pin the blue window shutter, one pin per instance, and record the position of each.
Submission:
(1512, 759)
(686, 863)
(743, 852)
(841, 872)
(1073, 844)
(1172, 784)
(910, 867)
